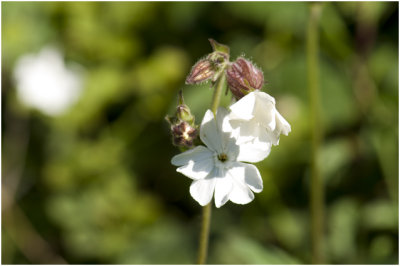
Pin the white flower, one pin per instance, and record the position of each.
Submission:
(45, 83)
(254, 118)
(218, 168)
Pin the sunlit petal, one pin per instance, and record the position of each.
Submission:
(202, 190)
(196, 163)
(243, 109)
(209, 132)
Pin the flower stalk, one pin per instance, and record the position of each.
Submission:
(316, 189)
(206, 220)
(204, 235)
(217, 94)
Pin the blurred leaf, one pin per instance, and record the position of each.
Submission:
(371, 12)
(8, 248)
(343, 220)
(237, 249)
(20, 20)
(334, 155)
(381, 249)
(165, 241)
(336, 32)
(289, 227)
(383, 69)
(278, 17)
(380, 214)
(337, 99)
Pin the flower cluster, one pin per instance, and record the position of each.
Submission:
(234, 138)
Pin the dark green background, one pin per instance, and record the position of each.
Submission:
(97, 185)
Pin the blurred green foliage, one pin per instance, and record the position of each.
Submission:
(97, 185)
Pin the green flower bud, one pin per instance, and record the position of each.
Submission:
(218, 47)
(183, 114)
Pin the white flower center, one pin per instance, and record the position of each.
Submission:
(222, 157)
(222, 160)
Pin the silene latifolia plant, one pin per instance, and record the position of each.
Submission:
(218, 154)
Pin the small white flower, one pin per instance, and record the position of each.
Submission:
(43, 82)
(218, 168)
(254, 118)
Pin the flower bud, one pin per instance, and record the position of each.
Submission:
(219, 47)
(203, 70)
(183, 114)
(183, 128)
(243, 77)
(211, 66)
(183, 134)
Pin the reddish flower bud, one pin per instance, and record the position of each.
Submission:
(183, 134)
(243, 77)
(212, 66)
(203, 70)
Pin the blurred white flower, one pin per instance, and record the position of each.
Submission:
(218, 168)
(254, 118)
(44, 82)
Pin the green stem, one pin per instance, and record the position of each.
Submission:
(217, 93)
(316, 190)
(204, 235)
(205, 226)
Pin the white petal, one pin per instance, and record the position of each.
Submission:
(199, 152)
(225, 131)
(282, 124)
(247, 175)
(282, 127)
(227, 127)
(273, 136)
(209, 132)
(267, 118)
(223, 187)
(202, 190)
(264, 97)
(226, 123)
(265, 110)
(243, 109)
(252, 178)
(196, 163)
(234, 127)
(248, 130)
(254, 151)
(263, 135)
(240, 193)
(222, 116)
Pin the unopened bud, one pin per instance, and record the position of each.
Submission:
(243, 77)
(183, 114)
(203, 70)
(183, 134)
(183, 128)
(219, 47)
(211, 67)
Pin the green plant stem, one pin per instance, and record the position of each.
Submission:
(204, 235)
(316, 190)
(217, 94)
(205, 226)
